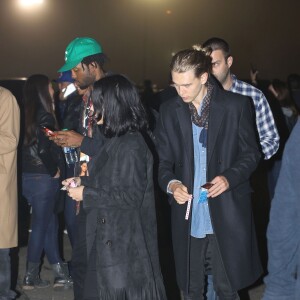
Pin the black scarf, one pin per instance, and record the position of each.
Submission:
(202, 120)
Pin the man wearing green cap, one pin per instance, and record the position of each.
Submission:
(85, 59)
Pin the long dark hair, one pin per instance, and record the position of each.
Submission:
(117, 100)
(36, 96)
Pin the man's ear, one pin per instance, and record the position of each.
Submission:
(204, 78)
(229, 61)
(93, 65)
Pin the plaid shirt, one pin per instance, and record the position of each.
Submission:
(267, 131)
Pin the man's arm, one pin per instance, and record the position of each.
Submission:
(166, 176)
(163, 147)
(267, 131)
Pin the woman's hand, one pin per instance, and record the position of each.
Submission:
(76, 181)
(76, 193)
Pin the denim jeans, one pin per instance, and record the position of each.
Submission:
(5, 276)
(70, 210)
(40, 190)
(211, 293)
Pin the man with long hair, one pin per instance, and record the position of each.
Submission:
(207, 151)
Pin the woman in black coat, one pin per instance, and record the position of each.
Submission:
(119, 198)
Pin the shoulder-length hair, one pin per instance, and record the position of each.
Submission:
(36, 97)
(117, 100)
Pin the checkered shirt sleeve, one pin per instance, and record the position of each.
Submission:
(267, 131)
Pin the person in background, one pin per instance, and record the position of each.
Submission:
(206, 142)
(293, 81)
(285, 119)
(222, 61)
(9, 138)
(68, 102)
(280, 91)
(68, 109)
(85, 59)
(283, 279)
(40, 183)
(123, 260)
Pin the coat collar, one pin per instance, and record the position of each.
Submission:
(216, 115)
(184, 119)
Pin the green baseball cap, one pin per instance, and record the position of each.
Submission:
(77, 50)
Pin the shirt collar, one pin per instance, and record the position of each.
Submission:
(234, 82)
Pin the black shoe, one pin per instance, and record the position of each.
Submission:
(32, 278)
(62, 277)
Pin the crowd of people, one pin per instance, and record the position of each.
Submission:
(98, 150)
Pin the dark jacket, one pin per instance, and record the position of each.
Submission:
(71, 112)
(232, 151)
(120, 191)
(283, 280)
(42, 155)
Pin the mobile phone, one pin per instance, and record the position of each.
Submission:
(69, 90)
(207, 185)
(47, 131)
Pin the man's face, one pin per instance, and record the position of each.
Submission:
(83, 78)
(188, 86)
(220, 66)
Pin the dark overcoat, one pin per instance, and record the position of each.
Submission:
(232, 151)
(120, 191)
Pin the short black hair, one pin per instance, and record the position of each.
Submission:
(117, 100)
(216, 43)
(100, 59)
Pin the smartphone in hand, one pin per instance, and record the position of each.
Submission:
(47, 131)
(207, 185)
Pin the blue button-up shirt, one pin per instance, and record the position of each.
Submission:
(201, 222)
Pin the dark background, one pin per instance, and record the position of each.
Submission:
(139, 36)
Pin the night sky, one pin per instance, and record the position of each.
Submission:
(139, 36)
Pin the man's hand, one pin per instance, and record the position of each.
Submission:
(180, 192)
(220, 185)
(67, 138)
(76, 193)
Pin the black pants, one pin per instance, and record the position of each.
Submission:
(90, 287)
(79, 256)
(5, 292)
(205, 259)
(84, 263)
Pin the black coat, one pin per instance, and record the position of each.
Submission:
(120, 191)
(232, 151)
